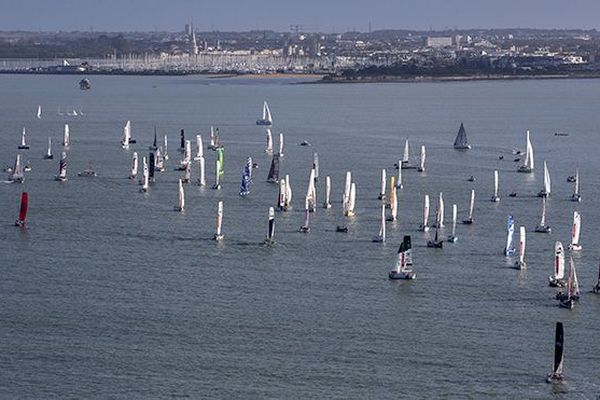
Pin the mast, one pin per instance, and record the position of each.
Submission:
(327, 203)
(134, 166)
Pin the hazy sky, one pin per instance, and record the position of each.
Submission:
(312, 15)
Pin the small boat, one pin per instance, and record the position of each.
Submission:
(558, 279)
(471, 179)
(556, 376)
(469, 219)
(393, 200)
(381, 195)
(62, 168)
(327, 203)
(306, 227)
(16, 173)
(49, 155)
(546, 190)
(23, 145)
(215, 139)
(280, 144)
(180, 198)
(87, 173)
(521, 264)
(512, 194)
(380, 238)
(38, 114)
(461, 142)
(349, 196)
(572, 294)
(560, 134)
(542, 227)
(421, 167)
(273, 176)
(218, 234)
(424, 226)
(27, 167)
(85, 84)
(596, 288)
(134, 166)
(349, 211)
(66, 136)
(517, 160)
(270, 239)
(245, 185)
(341, 229)
(500, 157)
(576, 196)
(495, 198)
(528, 165)
(435, 243)
(402, 270)
(571, 178)
(269, 147)
(126, 139)
(21, 220)
(187, 155)
(144, 181)
(453, 238)
(305, 143)
(509, 250)
(405, 162)
(576, 231)
(266, 118)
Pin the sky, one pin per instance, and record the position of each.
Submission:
(310, 15)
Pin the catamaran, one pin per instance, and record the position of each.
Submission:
(66, 136)
(245, 185)
(273, 176)
(49, 155)
(22, 218)
(381, 195)
(327, 203)
(126, 139)
(440, 212)
(17, 175)
(495, 197)
(180, 198)
(199, 148)
(281, 145)
(266, 118)
(453, 238)
(528, 165)
(556, 376)
(545, 192)
(23, 145)
(271, 227)
(422, 160)
(509, 250)
(542, 227)
(38, 114)
(424, 226)
(62, 168)
(311, 192)
(380, 238)
(134, 165)
(393, 201)
(575, 233)
(596, 288)
(405, 162)
(402, 271)
(306, 227)
(436, 242)
(218, 234)
(469, 219)
(461, 142)
(269, 147)
(576, 196)
(399, 180)
(558, 279)
(521, 264)
(145, 176)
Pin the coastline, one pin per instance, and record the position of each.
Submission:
(465, 78)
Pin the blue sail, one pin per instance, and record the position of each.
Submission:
(245, 186)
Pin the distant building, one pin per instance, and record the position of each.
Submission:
(439, 41)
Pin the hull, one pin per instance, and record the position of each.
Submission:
(524, 169)
(263, 122)
(554, 282)
(406, 275)
(543, 229)
(575, 247)
(576, 197)
(467, 221)
(435, 245)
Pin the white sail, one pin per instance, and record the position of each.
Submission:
(316, 165)
(472, 204)
(126, 135)
(281, 145)
(281, 196)
(575, 281)
(327, 203)
(38, 114)
(66, 136)
(166, 147)
(576, 190)
(440, 214)
(199, 148)
(218, 233)
(454, 216)
(394, 203)
(399, 179)
(134, 166)
(347, 185)
(543, 221)
(62, 168)
(422, 159)
(271, 225)
(522, 241)
(528, 164)
(311, 193)
(351, 200)
(288, 192)
(180, 198)
(383, 184)
(201, 174)
(576, 231)
(406, 155)
(426, 213)
(212, 136)
(547, 183)
(146, 175)
(217, 174)
(496, 197)
(187, 153)
(382, 226)
(17, 172)
(23, 141)
(266, 114)
(269, 148)
(559, 261)
(510, 230)
(49, 153)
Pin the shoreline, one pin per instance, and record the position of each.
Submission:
(466, 78)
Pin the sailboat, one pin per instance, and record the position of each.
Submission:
(134, 165)
(393, 201)
(245, 185)
(199, 148)
(461, 142)
(380, 238)
(495, 197)
(311, 192)
(218, 234)
(281, 145)
(381, 195)
(542, 227)
(287, 203)
(17, 175)
(556, 376)
(469, 219)
(217, 185)
(273, 176)
(596, 288)
(66, 136)
(422, 160)
(528, 165)
(281, 196)
(187, 176)
(154, 144)
(424, 227)
(306, 227)
(576, 196)
(545, 192)
(453, 238)
(180, 198)
(269, 147)
(62, 168)
(351, 201)
(509, 250)
(151, 166)
(436, 242)
(126, 139)
(568, 300)
(405, 162)
(402, 271)
(23, 145)
(558, 279)
(201, 174)
(160, 161)
(182, 141)
(399, 179)
(315, 165)
(266, 118)
(49, 155)
(165, 148)
(327, 203)
(440, 212)
(187, 155)
(271, 227)
(38, 114)
(22, 218)
(521, 264)
(575, 233)
(145, 176)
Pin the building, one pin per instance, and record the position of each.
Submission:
(439, 41)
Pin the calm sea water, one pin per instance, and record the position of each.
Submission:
(111, 294)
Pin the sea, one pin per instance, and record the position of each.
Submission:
(111, 294)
